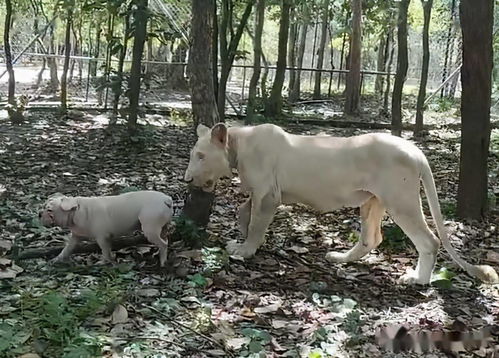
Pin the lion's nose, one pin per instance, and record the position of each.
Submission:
(188, 180)
(40, 215)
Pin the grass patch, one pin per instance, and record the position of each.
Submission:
(56, 323)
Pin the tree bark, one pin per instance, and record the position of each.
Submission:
(402, 65)
(321, 49)
(477, 19)
(228, 49)
(293, 33)
(176, 77)
(52, 61)
(204, 109)
(140, 19)
(381, 62)
(121, 63)
(198, 203)
(352, 91)
(67, 53)
(391, 45)
(418, 129)
(257, 55)
(8, 55)
(273, 106)
(294, 95)
(448, 47)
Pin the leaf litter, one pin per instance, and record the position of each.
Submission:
(287, 301)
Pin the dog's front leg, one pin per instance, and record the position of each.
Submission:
(244, 217)
(263, 209)
(68, 249)
(105, 246)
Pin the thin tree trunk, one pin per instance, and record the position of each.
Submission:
(214, 49)
(447, 47)
(52, 61)
(321, 49)
(93, 71)
(295, 91)
(140, 19)
(176, 78)
(148, 70)
(293, 33)
(67, 53)
(402, 65)
(389, 70)
(8, 55)
(257, 55)
(418, 128)
(477, 20)
(380, 66)
(273, 106)
(228, 51)
(352, 91)
(119, 74)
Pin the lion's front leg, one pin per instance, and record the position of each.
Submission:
(261, 215)
(244, 217)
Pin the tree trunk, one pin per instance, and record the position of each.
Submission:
(52, 61)
(214, 49)
(93, 70)
(273, 106)
(476, 23)
(418, 129)
(8, 55)
(352, 91)
(380, 66)
(402, 64)
(140, 19)
(448, 46)
(228, 49)
(391, 45)
(176, 77)
(67, 53)
(294, 95)
(119, 74)
(321, 50)
(257, 55)
(204, 109)
(293, 33)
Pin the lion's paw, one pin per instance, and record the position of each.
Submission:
(411, 277)
(336, 257)
(243, 250)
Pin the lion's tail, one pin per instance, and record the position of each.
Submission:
(483, 272)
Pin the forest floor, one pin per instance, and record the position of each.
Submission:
(287, 301)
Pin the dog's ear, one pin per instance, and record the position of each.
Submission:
(55, 196)
(202, 130)
(68, 203)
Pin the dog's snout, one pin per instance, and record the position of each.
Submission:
(40, 215)
(188, 180)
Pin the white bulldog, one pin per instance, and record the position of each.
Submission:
(376, 172)
(101, 218)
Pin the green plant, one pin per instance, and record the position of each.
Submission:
(394, 239)
(258, 339)
(188, 231)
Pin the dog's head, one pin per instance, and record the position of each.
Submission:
(209, 157)
(57, 210)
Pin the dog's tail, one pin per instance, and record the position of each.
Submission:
(483, 272)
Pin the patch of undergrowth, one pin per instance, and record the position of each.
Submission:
(58, 322)
(394, 239)
(444, 104)
(187, 231)
(449, 209)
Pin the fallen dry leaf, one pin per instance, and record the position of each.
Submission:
(120, 314)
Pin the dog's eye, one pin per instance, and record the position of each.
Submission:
(200, 155)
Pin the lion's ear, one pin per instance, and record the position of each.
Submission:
(201, 130)
(219, 135)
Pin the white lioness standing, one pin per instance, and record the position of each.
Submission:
(376, 172)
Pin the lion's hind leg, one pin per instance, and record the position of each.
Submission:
(371, 213)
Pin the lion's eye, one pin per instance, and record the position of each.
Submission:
(200, 155)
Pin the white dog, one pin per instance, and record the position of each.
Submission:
(101, 218)
(377, 172)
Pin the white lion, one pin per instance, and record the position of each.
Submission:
(375, 172)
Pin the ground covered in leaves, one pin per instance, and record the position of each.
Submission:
(286, 302)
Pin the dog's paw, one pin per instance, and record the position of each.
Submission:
(243, 250)
(59, 260)
(411, 277)
(336, 257)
